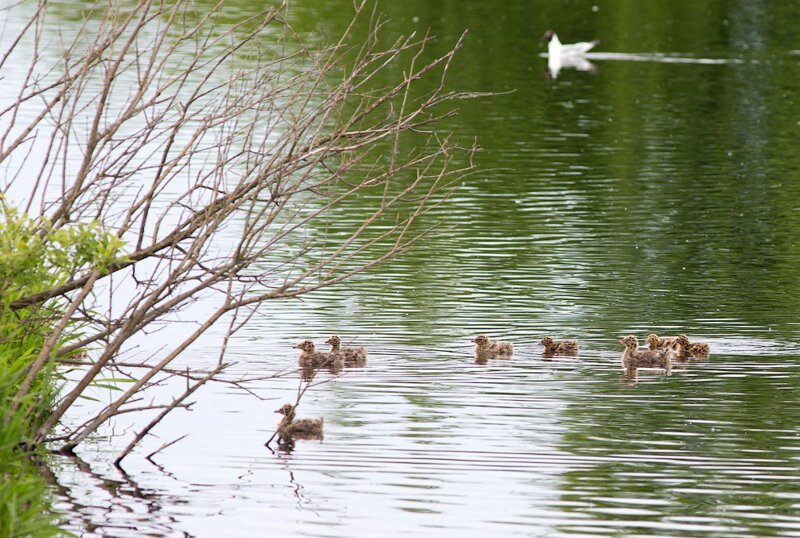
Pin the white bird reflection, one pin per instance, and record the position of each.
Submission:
(557, 62)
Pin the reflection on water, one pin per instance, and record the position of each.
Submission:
(657, 195)
(116, 503)
(702, 453)
(556, 63)
(425, 439)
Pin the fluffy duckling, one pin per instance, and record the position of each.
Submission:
(693, 349)
(700, 349)
(559, 347)
(352, 356)
(290, 429)
(485, 348)
(658, 342)
(633, 357)
(311, 358)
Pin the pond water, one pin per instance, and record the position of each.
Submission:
(657, 192)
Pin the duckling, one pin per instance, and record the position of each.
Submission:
(289, 428)
(485, 348)
(658, 342)
(633, 357)
(310, 358)
(682, 342)
(699, 349)
(694, 349)
(559, 347)
(352, 356)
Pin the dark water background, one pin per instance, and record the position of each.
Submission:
(659, 193)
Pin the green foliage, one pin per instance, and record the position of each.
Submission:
(34, 257)
(24, 502)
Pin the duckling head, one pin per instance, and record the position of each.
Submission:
(682, 340)
(548, 35)
(481, 340)
(547, 341)
(652, 339)
(334, 341)
(285, 410)
(630, 341)
(306, 345)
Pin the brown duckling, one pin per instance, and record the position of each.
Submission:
(693, 349)
(352, 356)
(311, 358)
(658, 342)
(290, 429)
(485, 348)
(559, 347)
(699, 349)
(633, 357)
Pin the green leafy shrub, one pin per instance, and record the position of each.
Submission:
(35, 256)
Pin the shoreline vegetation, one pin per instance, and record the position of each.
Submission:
(34, 257)
(159, 128)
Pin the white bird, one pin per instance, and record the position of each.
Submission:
(557, 49)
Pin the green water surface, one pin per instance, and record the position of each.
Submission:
(659, 192)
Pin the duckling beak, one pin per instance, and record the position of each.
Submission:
(621, 342)
(279, 411)
(297, 346)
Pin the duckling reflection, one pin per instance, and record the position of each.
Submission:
(351, 355)
(633, 358)
(308, 373)
(291, 429)
(559, 347)
(491, 349)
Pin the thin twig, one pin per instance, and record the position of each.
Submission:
(159, 449)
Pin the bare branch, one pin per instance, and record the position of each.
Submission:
(221, 153)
